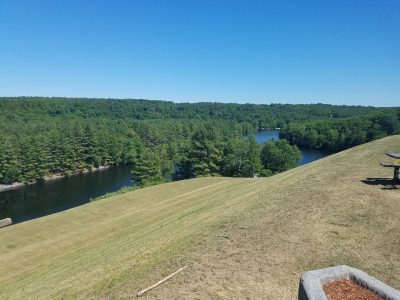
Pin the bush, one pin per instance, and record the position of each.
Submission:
(278, 156)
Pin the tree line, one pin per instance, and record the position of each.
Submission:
(209, 153)
(336, 135)
(257, 115)
(157, 151)
(161, 140)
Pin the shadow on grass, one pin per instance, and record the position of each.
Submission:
(386, 183)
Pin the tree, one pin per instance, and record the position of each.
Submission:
(146, 169)
(9, 166)
(278, 156)
(206, 155)
(252, 164)
(234, 157)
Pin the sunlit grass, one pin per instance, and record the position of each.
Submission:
(240, 237)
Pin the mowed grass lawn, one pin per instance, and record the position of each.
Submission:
(241, 238)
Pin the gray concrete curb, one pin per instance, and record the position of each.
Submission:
(311, 283)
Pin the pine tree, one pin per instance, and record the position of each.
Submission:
(206, 154)
(146, 169)
(9, 166)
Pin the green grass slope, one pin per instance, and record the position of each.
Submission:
(241, 238)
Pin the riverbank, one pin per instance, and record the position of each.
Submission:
(17, 185)
(64, 191)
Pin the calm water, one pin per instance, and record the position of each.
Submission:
(36, 200)
(42, 199)
(307, 155)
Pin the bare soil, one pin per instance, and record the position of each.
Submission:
(345, 289)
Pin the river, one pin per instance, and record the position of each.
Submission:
(37, 200)
(44, 198)
(307, 155)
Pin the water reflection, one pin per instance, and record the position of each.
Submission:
(45, 198)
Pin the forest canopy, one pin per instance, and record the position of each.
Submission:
(339, 134)
(164, 140)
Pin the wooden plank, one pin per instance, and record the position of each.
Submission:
(394, 155)
(390, 165)
(161, 281)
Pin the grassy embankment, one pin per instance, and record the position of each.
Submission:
(239, 237)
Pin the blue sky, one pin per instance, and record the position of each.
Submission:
(339, 52)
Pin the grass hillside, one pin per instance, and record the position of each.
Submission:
(241, 238)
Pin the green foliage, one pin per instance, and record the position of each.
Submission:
(336, 135)
(147, 170)
(257, 116)
(9, 166)
(242, 158)
(278, 156)
(45, 136)
(206, 153)
(235, 153)
(253, 161)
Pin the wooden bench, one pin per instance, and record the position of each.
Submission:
(395, 165)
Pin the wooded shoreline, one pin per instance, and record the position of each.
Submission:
(168, 141)
(17, 185)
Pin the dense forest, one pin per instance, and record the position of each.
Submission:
(161, 140)
(339, 134)
(259, 116)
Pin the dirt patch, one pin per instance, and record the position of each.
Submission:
(345, 289)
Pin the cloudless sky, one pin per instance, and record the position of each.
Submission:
(300, 51)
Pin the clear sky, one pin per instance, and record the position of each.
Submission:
(300, 51)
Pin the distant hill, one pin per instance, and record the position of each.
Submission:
(239, 237)
(258, 115)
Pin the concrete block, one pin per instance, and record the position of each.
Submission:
(311, 283)
(5, 222)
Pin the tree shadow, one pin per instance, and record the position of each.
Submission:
(386, 183)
